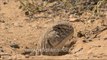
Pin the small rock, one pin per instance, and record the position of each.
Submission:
(80, 34)
(84, 41)
(105, 38)
(5, 56)
(71, 18)
(27, 13)
(1, 49)
(27, 56)
(5, 3)
(26, 52)
(14, 45)
(3, 26)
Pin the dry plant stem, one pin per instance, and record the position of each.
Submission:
(96, 9)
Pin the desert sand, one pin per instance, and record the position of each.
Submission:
(19, 33)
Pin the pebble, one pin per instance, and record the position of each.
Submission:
(14, 45)
(71, 18)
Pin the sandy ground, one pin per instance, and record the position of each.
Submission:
(17, 30)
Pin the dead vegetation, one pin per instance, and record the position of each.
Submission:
(56, 7)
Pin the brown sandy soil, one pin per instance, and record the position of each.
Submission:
(18, 33)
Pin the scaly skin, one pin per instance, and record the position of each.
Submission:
(57, 36)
